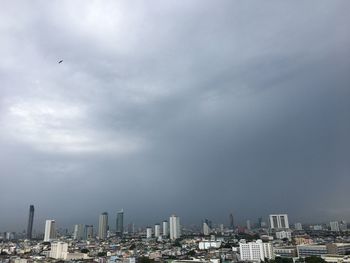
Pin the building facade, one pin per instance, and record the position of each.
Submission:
(78, 233)
(30, 222)
(165, 228)
(120, 223)
(175, 230)
(59, 250)
(157, 230)
(148, 232)
(279, 221)
(50, 230)
(103, 226)
(334, 226)
(255, 251)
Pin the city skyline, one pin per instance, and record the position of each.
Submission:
(105, 224)
(111, 221)
(197, 108)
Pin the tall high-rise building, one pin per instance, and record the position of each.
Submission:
(206, 228)
(149, 232)
(103, 226)
(88, 232)
(120, 223)
(156, 230)
(165, 228)
(249, 227)
(260, 222)
(30, 222)
(50, 230)
(131, 228)
(279, 221)
(78, 233)
(232, 226)
(175, 229)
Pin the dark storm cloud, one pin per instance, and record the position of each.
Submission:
(197, 108)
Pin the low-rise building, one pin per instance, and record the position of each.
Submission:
(285, 252)
(311, 250)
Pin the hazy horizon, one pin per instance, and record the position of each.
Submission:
(199, 108)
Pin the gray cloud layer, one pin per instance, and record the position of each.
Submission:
(194, 107)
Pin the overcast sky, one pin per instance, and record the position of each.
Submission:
(199, 108)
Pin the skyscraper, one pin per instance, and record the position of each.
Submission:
(78, 232)
(30, 222)
(232, 226)
(88, 232)
(149, 232)
(175, 230)
(165, 228)
(50, 230)
(120, 223)
(279, 221)
(206, 229)
(156, 230)
(249, 227)
(103, 225)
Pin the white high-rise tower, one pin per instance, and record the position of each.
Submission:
(279, 221)
(103, 225)
(78, 232)
(50, 230)
(175, 230)
(156, 230)
(165, 228)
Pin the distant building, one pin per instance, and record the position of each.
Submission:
(131, 228)
(255, 251)
(334, 226)
(30, 222)
(148, 232)
(175, 229)
(165, 228)
(317, 227)
(202, 245)
(249, 227)
(103, 226)
(157, 230)
(120, 223)
(78, 233)
(206, 229)
(50, 230)
(279, 221)
(232, 225)
(88, 232)
(343, 226)
(298, 226)
(284, 234)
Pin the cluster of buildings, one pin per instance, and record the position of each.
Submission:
(169, 241)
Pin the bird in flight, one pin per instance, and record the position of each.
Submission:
(59, 62)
